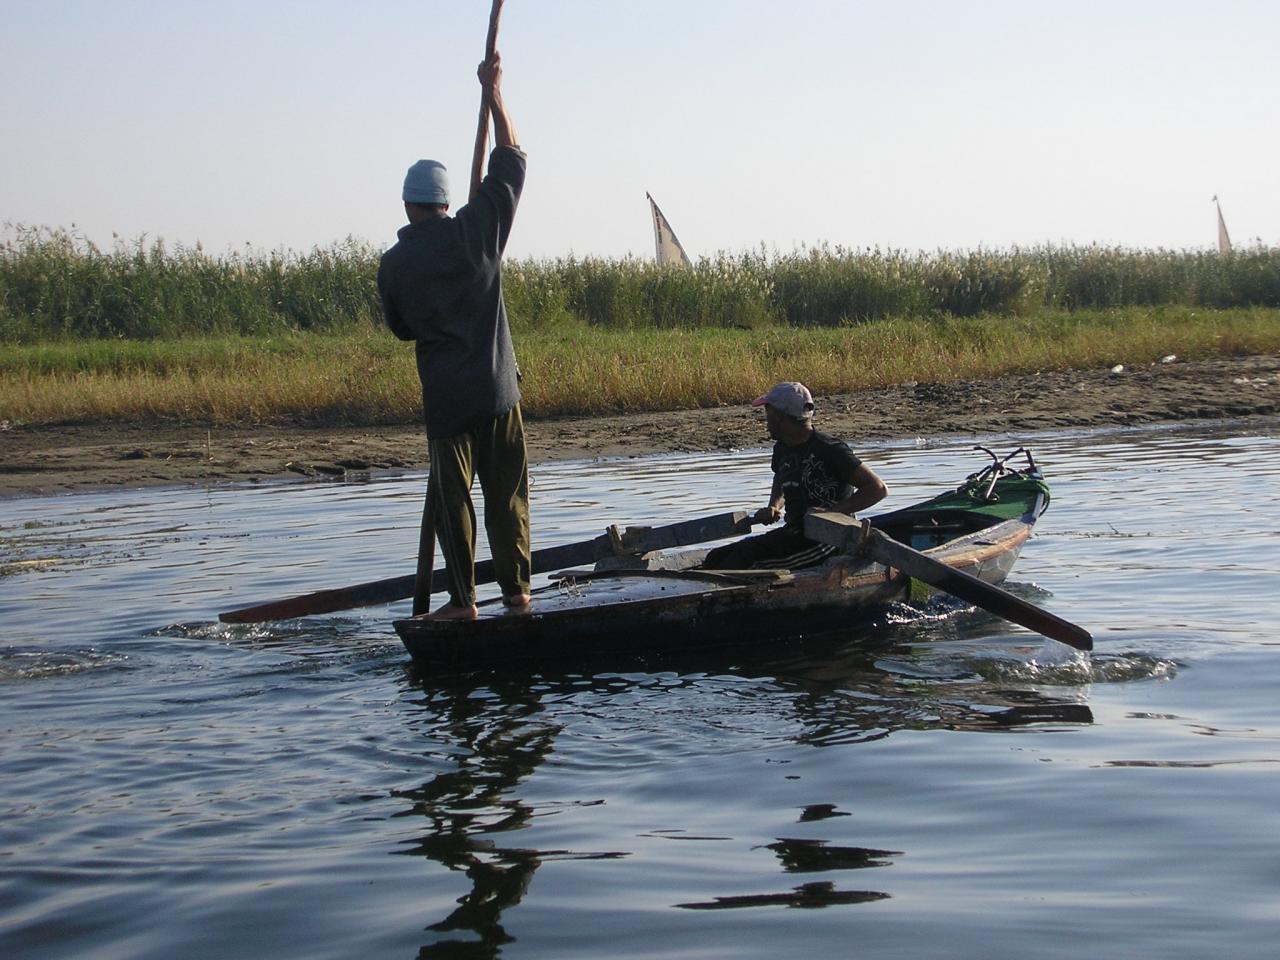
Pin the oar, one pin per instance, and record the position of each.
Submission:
(879, 546)
(634, 540)
(978, 592)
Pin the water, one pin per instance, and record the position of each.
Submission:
(174, 787)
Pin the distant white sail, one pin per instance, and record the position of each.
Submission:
(1224, 241)
(664, 238)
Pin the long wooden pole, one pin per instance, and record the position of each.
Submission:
(426, 548)
(427, 533)
(482, 128)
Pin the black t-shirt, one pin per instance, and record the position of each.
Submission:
(817, 473)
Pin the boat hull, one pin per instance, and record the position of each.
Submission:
(649, 611)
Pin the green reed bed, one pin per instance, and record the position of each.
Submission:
(1083, 277)
(55, 286)
(366, 377)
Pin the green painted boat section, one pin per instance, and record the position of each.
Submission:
(1015, 496)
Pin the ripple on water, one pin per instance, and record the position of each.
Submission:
(321, 636)
(1052, 665)
(298, 789)
(35, 663)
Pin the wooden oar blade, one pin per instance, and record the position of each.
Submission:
(633, 540)
(978, 592)
(848, 533)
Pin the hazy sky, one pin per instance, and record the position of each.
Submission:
(917, 125)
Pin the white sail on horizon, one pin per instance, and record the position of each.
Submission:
(1224, 241)
(664, 238)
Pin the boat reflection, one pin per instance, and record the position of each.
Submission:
(820, 893)
(814, 856)
(494, 741)
(806, 855)
(489, 731)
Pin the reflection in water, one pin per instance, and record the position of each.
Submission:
(1188, 764)
(809, 856)
(812, 856)
(493, 729)
(821, 893)
(821, 811)
(853, 695)
(495, 741)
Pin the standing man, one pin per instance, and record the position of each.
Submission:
(811, 471)
(441, 286)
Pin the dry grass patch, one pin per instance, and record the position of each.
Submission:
(369, 378)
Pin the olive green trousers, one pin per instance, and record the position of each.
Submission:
(495, 452)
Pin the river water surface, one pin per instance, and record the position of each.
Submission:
(959, 788)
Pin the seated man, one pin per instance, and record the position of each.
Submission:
(811, 471)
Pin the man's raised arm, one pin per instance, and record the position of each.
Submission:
(490, 73)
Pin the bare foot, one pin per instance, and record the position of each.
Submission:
(452, 612)
(516, 600)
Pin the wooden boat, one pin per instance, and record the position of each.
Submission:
(664, 600)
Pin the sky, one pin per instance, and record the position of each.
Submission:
(256, 125)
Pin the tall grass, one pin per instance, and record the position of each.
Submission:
(55, 286)
(1082, 277)
(630, 294)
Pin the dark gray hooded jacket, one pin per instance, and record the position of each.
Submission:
(441, 286)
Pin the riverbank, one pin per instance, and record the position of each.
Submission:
(61, 459)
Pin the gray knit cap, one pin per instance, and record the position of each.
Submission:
(427, 182)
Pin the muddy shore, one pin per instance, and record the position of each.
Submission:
(61, 459)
